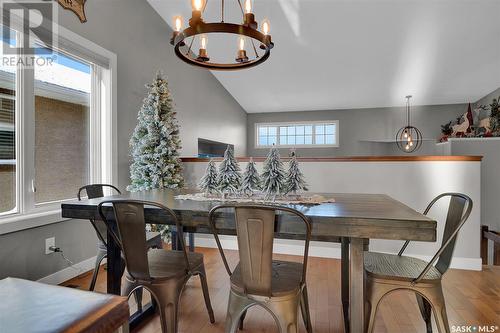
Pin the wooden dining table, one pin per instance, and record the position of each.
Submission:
(352, 219)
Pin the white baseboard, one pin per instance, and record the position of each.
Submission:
(324, 250)
(70, 272)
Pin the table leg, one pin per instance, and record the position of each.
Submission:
(357, 300)
(344, 275)
(115, 265)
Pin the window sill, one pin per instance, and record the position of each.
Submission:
(28, 221)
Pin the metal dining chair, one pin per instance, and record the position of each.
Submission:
(278, 286)
(97, 191)
(163, 272)
(387, 272)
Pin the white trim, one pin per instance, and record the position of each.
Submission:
(69, 272)
(297, 123)
(323, 250)
(16, 222)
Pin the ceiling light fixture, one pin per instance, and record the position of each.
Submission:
(409, 138)
(182, 40)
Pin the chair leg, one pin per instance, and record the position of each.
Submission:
(168, 298)
(101, 254)
(138, 298)
(304, 307)
(236, 306)
(375, 293)
(286, 314)
(436, 299)
(206, 295)
(425, 310)
(242, 319)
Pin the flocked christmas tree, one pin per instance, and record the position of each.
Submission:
(251, 179)
(155, 143)
(229, 173)
(209, 182)
(273, 176)
(295, 179)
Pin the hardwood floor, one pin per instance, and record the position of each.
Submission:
(472, 298)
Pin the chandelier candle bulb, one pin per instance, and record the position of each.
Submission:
(202, 54)
(249, 17)
(177, 29)
(242, 54)
(197, 6)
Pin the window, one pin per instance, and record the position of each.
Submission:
(56, 127)
(304, 134)
(62, 99)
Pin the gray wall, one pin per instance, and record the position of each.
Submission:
(358, 125)
(140, 38)
(490, 180)
(486, 100)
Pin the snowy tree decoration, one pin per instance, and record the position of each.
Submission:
(229, 173)
(274, 176)
(295, 179)
(251, 179)
(155, 145)
(209, 182)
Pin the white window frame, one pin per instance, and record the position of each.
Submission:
(102, 145)
(297, 123)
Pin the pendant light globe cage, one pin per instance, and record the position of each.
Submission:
(409, 138)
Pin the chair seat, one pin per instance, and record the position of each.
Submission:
(164, 264)
(394, 267)
(285, 280)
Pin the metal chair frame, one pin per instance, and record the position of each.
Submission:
(428, 292)
(284, 309)
(165, 291)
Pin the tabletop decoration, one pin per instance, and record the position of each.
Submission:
(275, 185)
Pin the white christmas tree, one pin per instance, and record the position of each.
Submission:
(209, 182)
(229, 173)
(295, 179)
(273, 176)
(155, 144)
(251, 179)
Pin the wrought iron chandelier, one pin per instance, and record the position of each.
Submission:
(409, 138)
(248, 34)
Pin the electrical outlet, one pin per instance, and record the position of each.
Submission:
(48, 243)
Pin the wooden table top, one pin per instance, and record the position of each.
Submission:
(351, 215)
(29, 306)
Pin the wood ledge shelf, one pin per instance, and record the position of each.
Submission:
(356, 159)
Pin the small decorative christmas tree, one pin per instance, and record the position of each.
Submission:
(274, 176)
(251, 179)
(210, 182)
(155, 145)
(295, 179)
(229, 173)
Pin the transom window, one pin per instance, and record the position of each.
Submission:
(304, 134)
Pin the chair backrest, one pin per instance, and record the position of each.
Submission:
(459, 210)
(255, 227)
(97, 191)
(131, 235)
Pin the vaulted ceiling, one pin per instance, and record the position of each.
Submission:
(341, 54)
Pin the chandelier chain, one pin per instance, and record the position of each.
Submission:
(190, 45)
(222, 11)
(241, 8)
